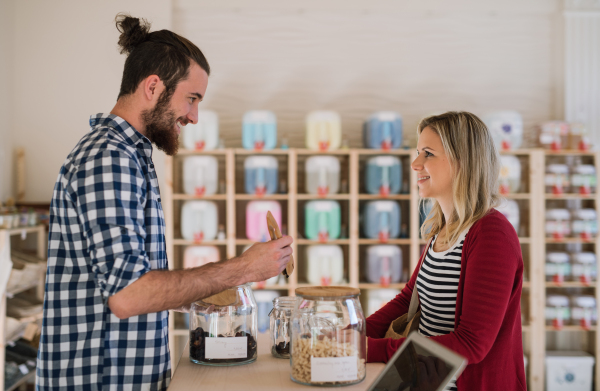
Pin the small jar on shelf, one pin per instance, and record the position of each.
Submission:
(583, 179)
(557, 179)
(558, 268)
(583, 311)
(558, 311)
(584, 223)
(583, 267)
(281, 326)
(558, 223)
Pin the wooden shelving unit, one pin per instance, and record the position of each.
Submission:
(531, 200)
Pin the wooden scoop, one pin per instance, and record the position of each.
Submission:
(225, 298)
(276, 234)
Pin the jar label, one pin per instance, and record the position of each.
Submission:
(558, 313)
(584, 270)
(226, 347)
(563, 269)
(333, 369)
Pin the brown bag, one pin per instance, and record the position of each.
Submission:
(409, 322)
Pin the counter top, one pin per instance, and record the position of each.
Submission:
(265, 374)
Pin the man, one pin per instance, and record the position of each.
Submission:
(108, 287)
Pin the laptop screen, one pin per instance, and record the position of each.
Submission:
(416, 368)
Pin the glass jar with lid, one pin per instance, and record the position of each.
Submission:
(281, 326)
(583, 179)
(223, 328)
(328, 337)
(557, 179)
(558, 311)
(558, 223)
(558, 267)
(583, 311)
(583, 267)
(584, 223)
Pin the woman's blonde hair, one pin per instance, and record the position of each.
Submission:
(476, 165)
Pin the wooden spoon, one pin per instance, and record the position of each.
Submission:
(276, 234)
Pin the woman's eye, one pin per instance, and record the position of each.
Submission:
(427, 154)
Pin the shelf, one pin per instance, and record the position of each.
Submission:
(524, 240)
(389, 241)
(326, 197)
(313, 152)
(23, 380)
(181, 332)
(10, 295)
(365, 285)
(570, 152)
(522, 151)
(183, 242)
(569, 284)
(366, 151)
(244, 242)
(266, 197)
(380, 197)
(526, 285)
(21, 230)
(517, 196)
(242, 151)
(571, 328)
(336, 241)
(570, 196)
(570, 240)
(186, 197)
(526, 328)
(195, 152)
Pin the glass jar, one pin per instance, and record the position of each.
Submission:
(583, 179)
(223, 328)
(557, 311)
(584, 223)
(583, 267)
(557, 267)
(328, 337)
(557, 179)
(558, 223)
(583, 311)
(281, 326)
(510, 174)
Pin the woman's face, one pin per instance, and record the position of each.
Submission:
(434, 173)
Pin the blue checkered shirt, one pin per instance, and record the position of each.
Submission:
(107, 230)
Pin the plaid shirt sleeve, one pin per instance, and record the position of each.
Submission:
(109, 198)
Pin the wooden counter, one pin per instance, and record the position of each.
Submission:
(265, 374)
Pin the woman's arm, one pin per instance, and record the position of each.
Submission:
(493, 274)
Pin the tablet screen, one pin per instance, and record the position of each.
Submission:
(416, 368)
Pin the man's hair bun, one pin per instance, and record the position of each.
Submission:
(133, 32)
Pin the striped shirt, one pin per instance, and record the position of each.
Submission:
(437, 285)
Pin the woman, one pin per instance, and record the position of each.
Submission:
(469, 276)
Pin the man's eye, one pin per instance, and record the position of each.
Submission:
(192, 100)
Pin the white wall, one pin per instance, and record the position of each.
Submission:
(7, 36)
(416, 57)
(67, 68)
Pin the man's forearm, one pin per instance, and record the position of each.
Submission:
(160, 290)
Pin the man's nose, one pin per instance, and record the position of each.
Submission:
(192, 116)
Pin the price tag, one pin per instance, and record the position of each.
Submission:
(234, 347)
(23, 368)
(333, 369)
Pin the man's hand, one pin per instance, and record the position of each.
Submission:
(265, 260)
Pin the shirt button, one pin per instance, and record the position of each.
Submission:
(159, 200)
(152, 166)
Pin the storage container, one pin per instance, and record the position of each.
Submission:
(584, 223)
(510, 174)
(557, 179)
(261, 175)
(324, 265)
(584, 267)
(558, 223)
(384, 264)
(256, 219)
(558, 311)
(377, 298)
(569, 371)
(281, 326)
(200, 175)
(203, 135)
(328, 337)
(264, 305)
(381, 220)
(583, 311)
(195, 256)
(554, 135)
(383, 175)
(323, 131)
(579, 137)
(506, 128)
(558, 268)
(199, 220)
(259, 130)
(383, 130)
(322, 175)
(510, 210)
(583, 179)
(224, 327)
(323, 220)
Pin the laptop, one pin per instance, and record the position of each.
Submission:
(419, 364)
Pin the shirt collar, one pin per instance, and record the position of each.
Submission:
(124, 129)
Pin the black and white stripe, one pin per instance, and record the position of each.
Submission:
(437, 285)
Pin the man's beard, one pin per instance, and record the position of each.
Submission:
(160, 123)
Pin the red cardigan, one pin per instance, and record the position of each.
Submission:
(487, 326)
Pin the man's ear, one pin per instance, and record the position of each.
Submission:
(152, 87)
